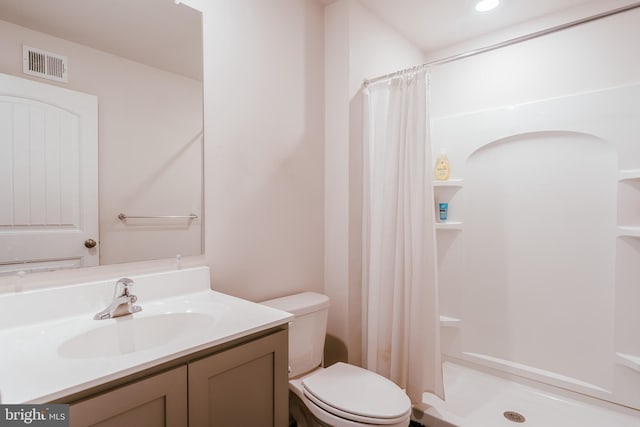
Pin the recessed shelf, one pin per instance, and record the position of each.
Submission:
(453, 182)
(627, 174)
(450, 321)
(449, 225)
(624, 359)
(626, 231)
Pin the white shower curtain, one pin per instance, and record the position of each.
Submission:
(401, 336)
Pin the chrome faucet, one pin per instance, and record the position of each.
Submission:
(123, 301)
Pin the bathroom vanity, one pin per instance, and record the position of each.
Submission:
(228, 385)
(192, 356)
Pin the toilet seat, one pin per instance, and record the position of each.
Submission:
(357, 394)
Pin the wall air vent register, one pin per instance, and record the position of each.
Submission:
(47, 65)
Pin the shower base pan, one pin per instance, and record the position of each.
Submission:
(476, 398)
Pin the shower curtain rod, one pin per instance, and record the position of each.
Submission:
(505, 43)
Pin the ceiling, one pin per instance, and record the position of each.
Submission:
(158, 33)
(436, 24)
(169, 36)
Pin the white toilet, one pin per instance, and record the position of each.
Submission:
(341, 395)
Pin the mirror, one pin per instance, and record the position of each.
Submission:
(142, 60)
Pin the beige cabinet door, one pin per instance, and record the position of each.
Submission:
(160, 400)
(243, 386)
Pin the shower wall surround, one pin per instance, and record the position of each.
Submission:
(539, 260)
(546, 270)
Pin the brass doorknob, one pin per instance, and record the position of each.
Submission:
(90, 243)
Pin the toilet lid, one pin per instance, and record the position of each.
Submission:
(357, 394)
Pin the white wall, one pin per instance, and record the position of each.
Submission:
(358, 45)
(150, 131)
(263, 74)
(574, 60)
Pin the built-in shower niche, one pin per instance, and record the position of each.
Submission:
(628, 203)
(449, 242)
(627, 341)
(541, 209)
(627, 299)
(449, 192)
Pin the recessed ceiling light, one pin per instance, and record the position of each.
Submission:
(487, 5)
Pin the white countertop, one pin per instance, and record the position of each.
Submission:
(36, 367)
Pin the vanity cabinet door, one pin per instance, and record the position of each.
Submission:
(159, 400)
(246, 385)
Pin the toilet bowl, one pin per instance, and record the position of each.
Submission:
(340, 395)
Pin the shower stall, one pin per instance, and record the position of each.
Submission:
(539, 258)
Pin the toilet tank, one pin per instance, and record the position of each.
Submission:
(307, 331)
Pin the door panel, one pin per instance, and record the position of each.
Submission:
(48, 176)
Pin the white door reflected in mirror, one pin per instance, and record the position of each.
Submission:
(48, 177)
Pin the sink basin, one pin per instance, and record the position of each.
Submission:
(129, 334)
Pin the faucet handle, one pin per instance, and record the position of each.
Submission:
(125, 283)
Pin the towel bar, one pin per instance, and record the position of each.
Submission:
(123, 217)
